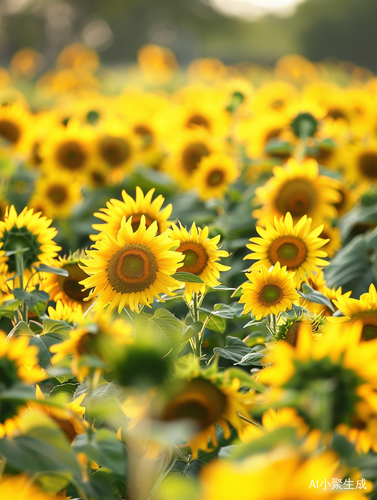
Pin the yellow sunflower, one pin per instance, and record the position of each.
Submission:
(68, 148)
(97, 335)
(363, 310)
(64, 312)
(135, 208)
(268, 291)
(206, 398)
(133, 269)
(187, 149)
(295, 246)
(201, 257)
(15, 126)
(298, 189)
(214, 175)
(333, 237)
(22, 487)
(67, 288)
(59, 194)
(360, 163)
(338, 355)
(281, 474)
(274, 96)
(26, 230)
(348, 198)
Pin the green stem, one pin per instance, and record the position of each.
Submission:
(273, 324)
(20, 270)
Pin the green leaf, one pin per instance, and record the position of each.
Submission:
(187, 277)
(162, 327)
(215, 323)
(14, 252)
(236, 350)
(245, 378)
(185, 469)
(31, 298)
(314, 296)
(54, 333)
(189, 332)
(53, 270)
(21, 328)
(265, 443)
(8, 308)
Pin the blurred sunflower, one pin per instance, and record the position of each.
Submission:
(298, 189)
(96, 335)
(69, 149)
(141, 206)
(133, 269)
(67, 288)
(201, 257)
(26, 230)
(214, 175)
(275, 96)
(333, 237)
(306, 369)
(280, 474)
(59, 194)
(15, 126)
(68, 313)
(268, 291)
(348, 198)
(206, 398)
(22, 487)
(294, 246)
(363, 310)
(360, 161)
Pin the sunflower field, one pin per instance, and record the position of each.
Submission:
(188, 260)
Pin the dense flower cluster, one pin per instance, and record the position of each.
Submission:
(140, 357)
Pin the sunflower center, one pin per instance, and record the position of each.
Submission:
(67, 427)
(216, 177)
(35, 154)
(70, 285)
(296, 196)
(132, 269)
(114, 150)
(289, 251)
(336, 113)
(200, 401)
(369, 332)
(146, 135)
(9, 131)
(270, 295)
(273, 134)
(368, 164)
(57, 194)
(196, 257)
(292, 333)
(277, 104)
(198, 120)
(192, 155)
(71, 155)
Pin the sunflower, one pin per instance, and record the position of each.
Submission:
(360, 162)
(363, 310)
(133, 269)
(115, 147)
(348, 198)
(201, 257)
(22, 487)
(15, 125)
(187, 149)
(268, 291)
(142, 206)
(333, 237)
(275, 96)
(298, 189)
(339, 356)
(318, 283)
(214, 175)
(280, 474)
(26, 231)
(59, 194)
(205, 398)
(68, 149)
(294, 246)
(96, 335)
(64, 312)
(69, 419)
(67, 288)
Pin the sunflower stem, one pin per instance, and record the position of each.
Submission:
(198, 338)
(20, 271)
(273, 324)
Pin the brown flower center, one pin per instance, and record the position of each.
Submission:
(289, 251)
(270, 295)
(196, 257)
(367, 163)
(198, 120)
(71, 155)
(297, 196)
(192, 154)
(215, 177)
(114, 150)
(70, 285)
(57, 194)
(132, 269)
(10, 131)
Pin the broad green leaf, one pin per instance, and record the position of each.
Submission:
(236, 350)
(191, 469)
(189, 332)
(187, 277)
(30, 298)
(314, 296)
(53, 270)
(21, 329)
(9, 308)
(215, 323)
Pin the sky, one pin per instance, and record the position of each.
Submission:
(255, 9)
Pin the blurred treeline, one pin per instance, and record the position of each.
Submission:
(341, 29)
